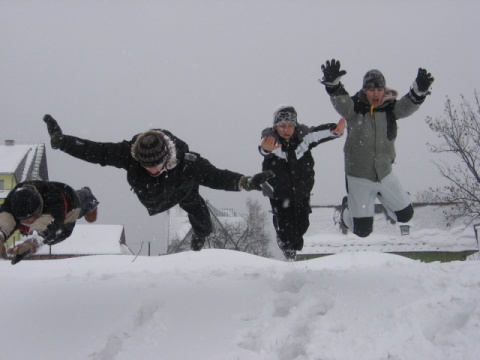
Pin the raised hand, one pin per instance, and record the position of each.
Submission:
(332, 73)
(54, 130)
(269, 144)
(424, 80)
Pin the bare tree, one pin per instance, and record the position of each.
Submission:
(256, 238)
(248, 235)
(459, 131)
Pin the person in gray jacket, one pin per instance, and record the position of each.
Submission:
(372, 115)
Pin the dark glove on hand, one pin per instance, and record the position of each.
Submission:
(255, 182)
(423, 82)
(55, 132)
(332, 73)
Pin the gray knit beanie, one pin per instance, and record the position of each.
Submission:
(285, 114)
(373, 79)
(150, 149)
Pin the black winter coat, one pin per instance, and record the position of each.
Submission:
(58, 200)
(293, 163)
(168, 189)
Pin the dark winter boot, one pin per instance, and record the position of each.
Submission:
(86, 195)
(197, 242)
(290, 255)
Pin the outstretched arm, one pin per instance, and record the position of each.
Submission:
(105, 154)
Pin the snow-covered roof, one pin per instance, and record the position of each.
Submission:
(26, 162)
(12, 155)
(428, 232)
(90, 239)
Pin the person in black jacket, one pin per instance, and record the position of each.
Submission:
(47, 210)
(286, 147)
(162, 172)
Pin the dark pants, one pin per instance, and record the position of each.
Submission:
(291, 222)
(198, 213)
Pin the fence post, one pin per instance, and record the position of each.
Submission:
(476, 236)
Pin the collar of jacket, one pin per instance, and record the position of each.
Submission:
(363, 107)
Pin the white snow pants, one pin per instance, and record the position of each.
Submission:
(362, 194)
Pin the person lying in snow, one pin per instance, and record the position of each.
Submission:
(162, 172)
(286, 147)
(44, 211)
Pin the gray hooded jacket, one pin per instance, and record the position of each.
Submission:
(370, 144)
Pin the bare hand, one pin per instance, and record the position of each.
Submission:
(340, 127)
(30, 246)
(269, 144)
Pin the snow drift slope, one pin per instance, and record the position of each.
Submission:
(219, 305)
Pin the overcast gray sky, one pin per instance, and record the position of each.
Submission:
(212, 72)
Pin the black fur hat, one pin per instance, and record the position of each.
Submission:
(26, 201)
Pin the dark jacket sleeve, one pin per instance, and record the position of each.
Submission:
(102, 153)
(316, 135)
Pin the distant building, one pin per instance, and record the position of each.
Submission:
(88, 240)
(429, 236)
(19, 163)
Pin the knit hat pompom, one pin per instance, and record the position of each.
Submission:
(285, 114)
(150, 149)
(373, 79)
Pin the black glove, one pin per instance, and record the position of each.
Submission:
(423, 82)
(55, 132)
(255, 182)
(332, 73)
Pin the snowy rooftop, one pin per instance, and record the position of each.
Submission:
(428, 232)
(90, 239)
(27, 162)
(11, 156)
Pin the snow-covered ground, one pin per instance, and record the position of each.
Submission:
(225, 305)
